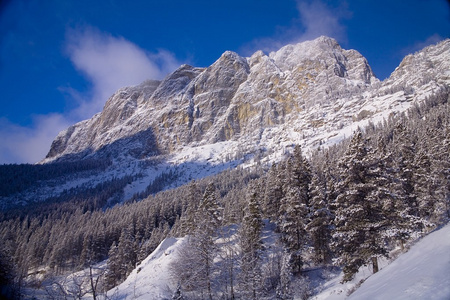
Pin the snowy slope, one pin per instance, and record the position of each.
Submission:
(421, 273)
(150, 279)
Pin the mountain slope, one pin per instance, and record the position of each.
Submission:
(311, 88)
(151, 279)
(231, 98)
(420, 273)
(200, 121)
(312, 85)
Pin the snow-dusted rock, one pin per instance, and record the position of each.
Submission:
(312, 93)
(232, 97)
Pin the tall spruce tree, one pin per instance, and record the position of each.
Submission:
(284, 288)
(208, 221)
(360, 218)
(114, 271)
(294, 207)
(251, 247)
(293, 233)
(127, 251)
(320, 221)
(273, 194)
(300, 175)
(192, 201)
(194, 268)
(405, 147)
(389, 192)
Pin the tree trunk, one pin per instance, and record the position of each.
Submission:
(375, 264)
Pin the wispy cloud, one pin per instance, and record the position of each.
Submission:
(29, 144)
(320, 19)
(108, 63)
(315, 18)
(419, 45)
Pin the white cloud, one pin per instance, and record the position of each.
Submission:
(109, 63)
(29, 144)
(319, 19)
(316, 18)
(419, 45)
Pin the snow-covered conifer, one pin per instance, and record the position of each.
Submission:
(251, 246)
(273, 194)
(360, 219)
(320, 219)
(284, 288)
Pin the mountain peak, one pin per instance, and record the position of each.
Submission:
(237, 98)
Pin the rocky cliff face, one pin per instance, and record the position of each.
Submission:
(315, 84)
(234, 97)
(238, 111)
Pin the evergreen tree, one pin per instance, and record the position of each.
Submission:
(292, 227)
(405, 169)
(388, 191)
(7, 285)
(441, 167)
(401, 170)
(284, 288)
(201, 249)
(251, 247)
(114, 271)
(425, 186)
(360, 219)
(127, 254)
(193, 198)
(273, 193)
(319, 226)
(208, 215)
(294, 209)
(300, 175)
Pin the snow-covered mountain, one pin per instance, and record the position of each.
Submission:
(199, 121)
(312, 85)
(234, 98)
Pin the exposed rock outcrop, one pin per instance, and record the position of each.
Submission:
(310, 84)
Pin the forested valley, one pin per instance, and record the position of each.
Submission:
(343, 206)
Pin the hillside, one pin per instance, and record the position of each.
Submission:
(420, 273)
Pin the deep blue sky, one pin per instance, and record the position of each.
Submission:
(61, 60)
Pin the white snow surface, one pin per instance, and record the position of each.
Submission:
(151, 279)
(421, 273)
